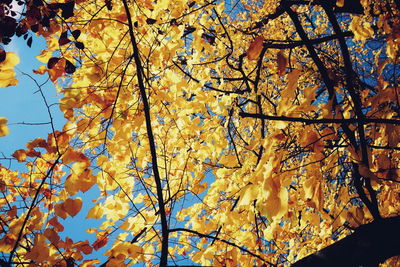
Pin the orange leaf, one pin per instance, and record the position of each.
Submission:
(20, 155)
(55, 72)
(255, 48)
(71, 155)
(72, 206)
(59, 211)
(51, 235)
(32, 153)
(38, 142)
(84, 247)
(100, 242)
(282, 63)
(57, 226)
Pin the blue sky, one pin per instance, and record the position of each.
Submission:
(24, 104)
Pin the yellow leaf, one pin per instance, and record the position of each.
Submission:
(361, 28)
(81, 181)
(7, 74)
(248, 195)
(3, 127)
(44, 56)
(340, 3)
(90, 263)
(255, 48)
(96, 212)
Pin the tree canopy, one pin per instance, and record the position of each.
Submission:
(221, 133)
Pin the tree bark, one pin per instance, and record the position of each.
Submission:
(369, 245)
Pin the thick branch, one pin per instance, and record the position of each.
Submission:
(146, 107)
(317, 121)
(350, 74)
(369, 245)
(292, 44)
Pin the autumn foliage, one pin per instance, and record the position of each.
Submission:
(219, 133)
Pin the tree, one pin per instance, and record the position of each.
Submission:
(220, 133)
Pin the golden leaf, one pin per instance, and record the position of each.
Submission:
(340, 3)
(3, 127)
(7, 74)
(96, 212)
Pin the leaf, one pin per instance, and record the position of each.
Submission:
(67, 9)
(29, 42)
(90, 263)
(69, 67)
(293, 78)
(188, 30)
(150, 21)
(72, 155)
(76, 34)
(7, 74)
(340, 3)
(3, 127)
(45, 55)
(63, 39)
(84, 247)
(72, 206)
(60, 211)
(255, 48)
(282, 63)
(52, 236)
(3, 54)
(96, 212)
(20, 155)
(100, 242)
(52, 62)
(79, 45)
(57, 226)
(108, 4)
(38, 142)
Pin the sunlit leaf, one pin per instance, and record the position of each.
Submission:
(3, 127)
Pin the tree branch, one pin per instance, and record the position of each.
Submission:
(221, 240)
(317, 121)
(146, 107)
(369, 245)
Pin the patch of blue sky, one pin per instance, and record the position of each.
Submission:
(28, 118)
(23, 105)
